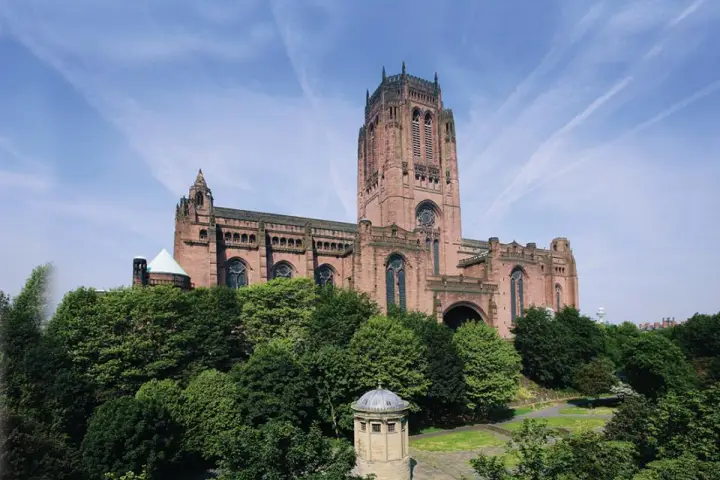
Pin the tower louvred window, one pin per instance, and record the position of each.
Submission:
(416, 134)
(428, 138)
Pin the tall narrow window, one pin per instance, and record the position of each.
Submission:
(236, 276)
(416, 134)
(428, 138)
(558, 297)
(436, 257)
(199, 199)
(395, 277)
(517, 304)
(373, 159)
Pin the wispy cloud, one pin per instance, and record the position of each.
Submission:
(591, 119)
(627, 22)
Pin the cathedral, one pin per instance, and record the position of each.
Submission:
(406, 248)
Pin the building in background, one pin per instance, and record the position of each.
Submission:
(406, 248)
(664, 323)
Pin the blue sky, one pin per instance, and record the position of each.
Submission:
(595, 120)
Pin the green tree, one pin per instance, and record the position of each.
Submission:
(337, 315)
(209, 406)
(699, 336)
(273, 385)
(35, 451)
(491, 367)
(685, 467)
(580, 457)
(654, 365)
(617, 340)
(530, 445)
(687, 423)
(129, 336)
(630, 423)
(587, 456)
(595, 377)
(445, 368)
(283, 451)
(553, 347)
(44, 401)
(125, 434)
(279, 309)
(385, 352)
(335, 384)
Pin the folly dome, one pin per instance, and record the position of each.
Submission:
(380, 400)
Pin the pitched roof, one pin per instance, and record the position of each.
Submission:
(165, 263)
(222, 212)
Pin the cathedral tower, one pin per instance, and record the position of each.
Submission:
(407, 164)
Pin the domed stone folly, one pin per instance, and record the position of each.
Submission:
(381, 435)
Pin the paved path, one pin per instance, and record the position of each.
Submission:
(455, 465)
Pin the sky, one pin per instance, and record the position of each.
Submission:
(594, 120)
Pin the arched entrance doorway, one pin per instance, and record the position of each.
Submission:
(460, 313)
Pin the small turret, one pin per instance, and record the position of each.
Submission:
(140, 276)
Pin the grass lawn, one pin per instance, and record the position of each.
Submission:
(588, 411)
(463, 441)
(570, 423)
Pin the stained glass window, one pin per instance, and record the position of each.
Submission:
(324, 276)
(236, 276)
(282, 270)
(395, 276)
(516, 294)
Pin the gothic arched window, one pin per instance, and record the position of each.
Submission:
(282, 270)
(395, 282)
(558, 297)
(236, 276)
(428, 137)
(517, 304)
(199, 199)
(324, 276)
(416, 133)
(436, 257)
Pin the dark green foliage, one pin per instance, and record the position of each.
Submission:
(210, 405)
(617, 340)
(282, 451)
(687, 423)
(385, 352)
(125, 434)
(587, 456)
(34, 451)
(127, 337)
(685, 467)
(338, 314)
(335, 384)
(653, 365)
(445, 368)
(43, 400)
(630, 424)
(699, 336)
(553, 348)
(273, 385)
(595, 377)
(278, 309)
(491, 367)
